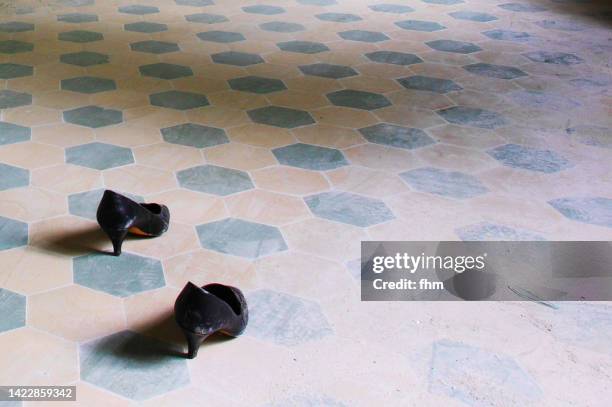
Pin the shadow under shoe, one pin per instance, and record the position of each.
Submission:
(118, 215)
(203, 311)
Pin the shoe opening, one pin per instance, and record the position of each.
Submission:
(226, 294)
(153, 208)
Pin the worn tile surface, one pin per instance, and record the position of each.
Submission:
(281, 134)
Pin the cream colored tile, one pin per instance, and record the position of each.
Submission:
(33, 115)
(178, 239)
(306, 236)
(31, 155)
(298, 99)
(218, 116)
(234, 99)
(62, 135)
(344, 117)
(28, 270)
(152, 314)
(66, 178)
(166, 156)
(68, 236)
(191, 207)
(204, 266)
(366, 182)
(129, 136)
(292, 273)
(409, 116)
(260, 135)
(239, 156)
(328, 136)
(50, 359)
(290, 180)
(267, 207)
(139, 179)
(62, 100)
(29, 204)
(383, 158)
(456, 158)
(69, 313)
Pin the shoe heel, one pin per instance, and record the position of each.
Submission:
(116, 237)
(193, 342)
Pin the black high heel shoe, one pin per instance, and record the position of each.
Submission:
(202, 311)
(118, 215)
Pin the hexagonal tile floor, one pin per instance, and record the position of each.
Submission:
(472, 16)
(453, 184)
(84, 58)
(163, 70)
(179, 100)
(338, 17)
(15, 27)
(363, 36)
(85, 204)
(236, 58)
(358, 99)
(99, 156)
(88, 84)
(9, 99)
(13, 233)
(263, 9)
(93, 116)
(458, 47)
(282, 27)
(303, 47)
(194, 135)
(13, 133)
(15, 47)
(310, 157)
(13, 308)
(396, 136)
(484, 231)
(215, 180)
(507, 35)
(221, 36)
(77, 18)
(420, 82)
(145, 27)
(349, 208)
(527, 158)
(281, 134)
(154, 47)
(257, 84)
(295, 321)
(328, 70)
(555, 58)
(419, 25)
(121, 276)
(281, 117)
(594, 210)
(241, 238)
(205, 18)
(391, 8)
(80, 36)
(13, 177)
(393, 57)
(470, 116)
(451, 360)
(495, 71)
(11, 71)
(121, 362)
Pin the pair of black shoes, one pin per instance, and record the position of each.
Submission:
(199, 311)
